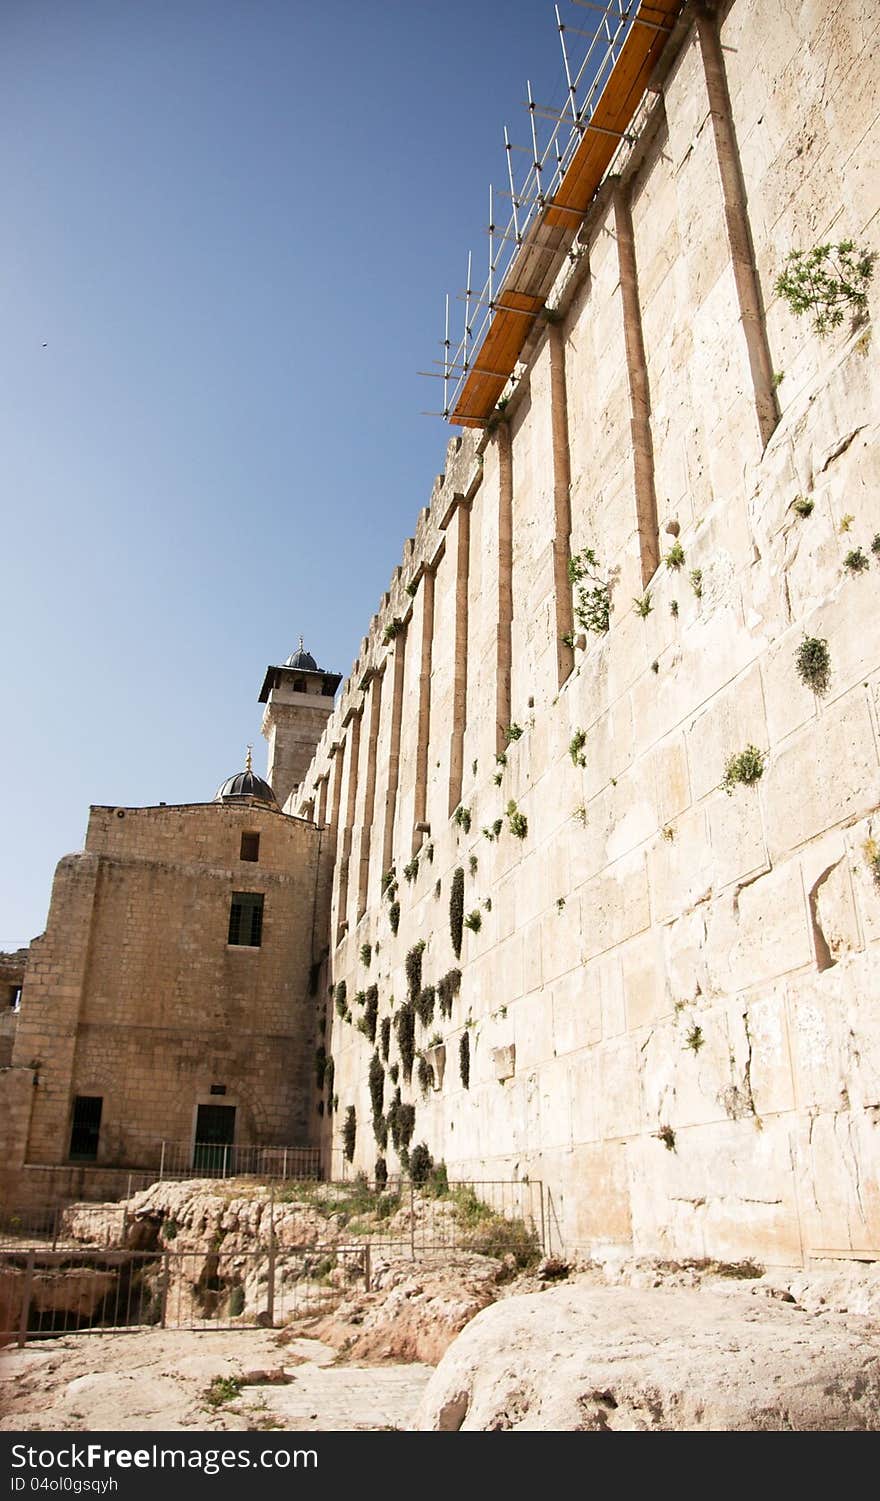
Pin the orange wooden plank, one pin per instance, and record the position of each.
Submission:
(508, 331)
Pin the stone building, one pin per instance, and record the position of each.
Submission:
(168, 1013)
(604, 907)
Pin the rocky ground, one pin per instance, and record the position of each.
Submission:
(517, 1343)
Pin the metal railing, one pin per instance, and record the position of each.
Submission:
(208, 1159)
(102, 1267)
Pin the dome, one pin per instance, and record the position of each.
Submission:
(302, 659)
(245, 784)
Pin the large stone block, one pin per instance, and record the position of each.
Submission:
(825, 774)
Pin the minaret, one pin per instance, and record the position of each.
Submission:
(299, 701)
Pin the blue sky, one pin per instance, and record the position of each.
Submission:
(229, 226)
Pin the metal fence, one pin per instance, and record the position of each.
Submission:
(209, 1159)
(99, 1267)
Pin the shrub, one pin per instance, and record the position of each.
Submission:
(447, 989)
(385, 1036)
(424, 1005)
(813, 664)
(518, 823)
(380, 1173)
(856, 561)
(411, 870)
(667, 1136)
(643, 606)
(370, 1013)
(394, 917)
(405, 1024)
(474, 921)
(388, 880)
(675, 556)
(456, 910)
(320, 1065)
(424, 1074)
(592, 596)
(746, 768)
(695, 1038)
(871, 852)
(803, 505)
(349, 1133)
(414, 969)
(462, 816)
(329, 1079)
(513, 732)
(341, 998)
(576, 748)
(696, 578)
(464, 1059)
(827, 281)
(875, 545)
(392, 629)
(366, 954)
(473, 865)
(420, 1164)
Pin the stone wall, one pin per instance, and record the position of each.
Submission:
(134, 994)
(670, 999)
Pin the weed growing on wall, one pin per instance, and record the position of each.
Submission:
(405, 1023)
(320, 1066)
(349, 1133)
(871, 852)
(675, 556)
(464, 1059)
(513, 732)
(856, 561)
(420, 1164)
(517, 822)
(411, 870)
(462, 817)
(745, 768)
(329, 1079)
(394, 917)
(576, 748)
(829, 282)
(803, 505)
(341, 998)
(696, 578)
(392, 629)
(424, 1005)
(813, 664)
(695, 1038)
(456, 911)
(366, 954)
(424, 1074)
(447, 989)
(642, 605)
(414, 969)
(667, 1136)
(592, 596)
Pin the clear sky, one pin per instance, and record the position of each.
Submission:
(228, 228)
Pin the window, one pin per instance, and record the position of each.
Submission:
(15, 997)
(86, 1127)
(250, 847)
(299, 685)
(246, 919)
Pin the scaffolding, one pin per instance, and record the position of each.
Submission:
(549, 204)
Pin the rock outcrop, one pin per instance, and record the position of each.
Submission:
(585, 1358)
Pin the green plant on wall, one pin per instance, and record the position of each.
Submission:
(462, 817)
(394, 917)
(424, 1074)
(743, 769)
(447, 989)
(376, 1080)
(474, 921)
(695, 1039)
(329, 1078)
(349, 1133)
(456, 910)
(675, 556)
(517, 822)
(592, 595)
(829, 282)
(856, 561)
(366, 954)
(696, 578)
(341, 998)
(464, 1059)
(405, 1025)
(424, 1005)
(802, 505)
(871, 852)
(513, 732)
(414, 969)
(411, 870)
(392, 629)
(576, 748)
(813, 664)
(642, 605)
(385, 1036)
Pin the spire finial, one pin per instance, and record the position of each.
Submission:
(248, 761)
(302, 645)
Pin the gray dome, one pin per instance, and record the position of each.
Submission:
(302, 659)
(245, 784)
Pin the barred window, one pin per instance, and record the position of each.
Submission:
(246, 919)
